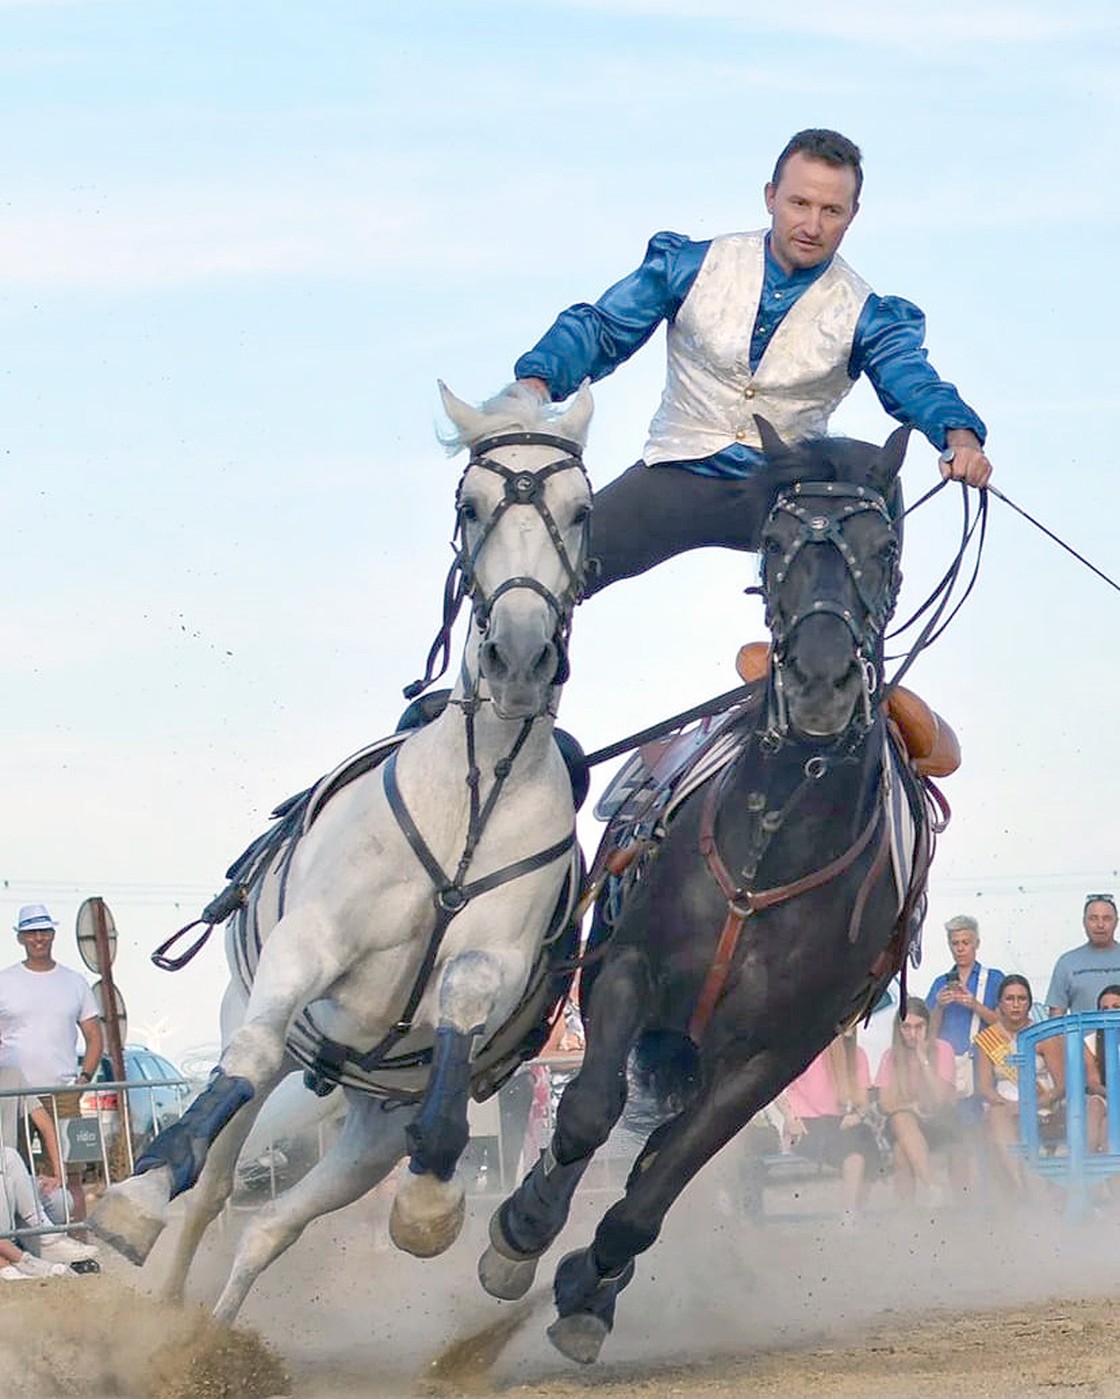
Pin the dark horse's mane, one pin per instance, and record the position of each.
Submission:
(818, 459)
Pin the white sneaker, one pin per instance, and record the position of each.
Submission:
(10, 1273)
(60, 1248)
(32, 1267)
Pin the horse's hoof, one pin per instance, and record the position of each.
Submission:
(508, 1279)
(427, 1216)
(502, 1270)
(580, 1336)
(131, 1216)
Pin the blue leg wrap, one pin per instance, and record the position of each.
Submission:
(439, 1135)
(183, 1146)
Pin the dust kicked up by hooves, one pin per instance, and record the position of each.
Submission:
(95, 1336)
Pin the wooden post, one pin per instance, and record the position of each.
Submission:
(113, 1046)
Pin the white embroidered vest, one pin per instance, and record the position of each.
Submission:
(711, 395)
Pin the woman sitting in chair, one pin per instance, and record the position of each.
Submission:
(918, 1095)
(997, 1080)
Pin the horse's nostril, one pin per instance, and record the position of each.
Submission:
(492, 662)
(544, 667)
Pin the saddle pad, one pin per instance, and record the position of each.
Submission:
(900, 815)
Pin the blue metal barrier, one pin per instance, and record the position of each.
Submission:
(1071, 1161)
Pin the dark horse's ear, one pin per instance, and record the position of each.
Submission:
(772, 445)
(889, 461)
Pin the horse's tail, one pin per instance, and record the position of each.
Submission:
(666, 1066)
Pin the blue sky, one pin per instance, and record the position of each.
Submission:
(240, 243)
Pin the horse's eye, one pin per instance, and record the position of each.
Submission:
(770, 545)
(468, 512)
(581, 514)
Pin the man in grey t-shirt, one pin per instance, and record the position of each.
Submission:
(1081, 974)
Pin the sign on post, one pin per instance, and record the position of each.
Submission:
(87, 935)
(97, 946)
(99, 995)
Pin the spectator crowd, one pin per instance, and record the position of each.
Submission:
(947, 1088)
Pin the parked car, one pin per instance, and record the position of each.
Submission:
(159, 1097)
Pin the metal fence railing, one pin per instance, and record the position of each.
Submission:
(100, 1128)
(1072, 1162)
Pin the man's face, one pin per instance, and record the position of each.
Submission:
(810, 209)
(37, 944)
(962, 944)
(1100, 923)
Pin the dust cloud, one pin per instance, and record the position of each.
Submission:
(969, 1302)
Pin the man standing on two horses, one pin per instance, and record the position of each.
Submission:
(771, 323)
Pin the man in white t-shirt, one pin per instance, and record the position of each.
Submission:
(44, 1008)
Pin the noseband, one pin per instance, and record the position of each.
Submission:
(815, 527)
(525, 488)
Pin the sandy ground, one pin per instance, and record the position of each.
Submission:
(946, 1299)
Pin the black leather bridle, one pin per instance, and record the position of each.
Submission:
(819, 523)
(523, 487)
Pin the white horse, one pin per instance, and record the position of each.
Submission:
(394, 942)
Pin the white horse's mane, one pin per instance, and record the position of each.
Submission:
(515, 408)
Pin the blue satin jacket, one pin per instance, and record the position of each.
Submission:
(590, 341)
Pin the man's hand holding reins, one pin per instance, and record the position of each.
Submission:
(964, 459)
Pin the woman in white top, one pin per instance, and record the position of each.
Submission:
(997, 1080)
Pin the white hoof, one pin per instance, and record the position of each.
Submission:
(500, 1274)
(427, 1215)
(580, 1337)
(131, 1216)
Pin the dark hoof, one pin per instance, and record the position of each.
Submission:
(580, 1337)
(503, 1272)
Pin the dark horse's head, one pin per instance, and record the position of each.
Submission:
(830, 577)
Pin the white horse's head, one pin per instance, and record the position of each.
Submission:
(524, 513)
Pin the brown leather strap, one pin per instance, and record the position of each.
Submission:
(741, 903)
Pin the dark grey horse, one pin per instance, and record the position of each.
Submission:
(768, 914)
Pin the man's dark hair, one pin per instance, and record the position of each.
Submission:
(829, 146)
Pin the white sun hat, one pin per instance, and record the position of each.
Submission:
(34, 918)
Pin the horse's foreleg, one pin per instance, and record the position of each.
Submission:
(371, 1143)
(429, 1207)
(527, 1223)
(588, 1282)
(205, 1202)
(295, 968)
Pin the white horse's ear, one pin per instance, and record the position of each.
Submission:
(575, 421)
(469, 421)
